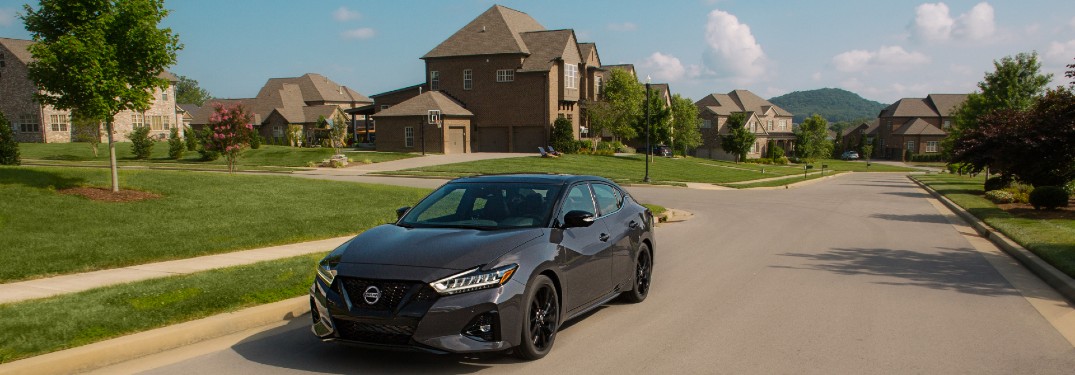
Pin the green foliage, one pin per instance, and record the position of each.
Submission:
(739, 139)
(87, 130)
(338, 133)
(997, 182)
(190, 138)
(999, 196)
(9, 148)
(867, 151)
(931, 157)
(229, 130)
(175, 145)
(255, 140)
(1049, 197)
(835, 105)
(141, 145)
(660, 119)
(187, 91)
(811, 138)
(563, 135)
(620, 107)
(203, 139)
(685, 124)
(775, 151)
(1020, 192)
(294, 135)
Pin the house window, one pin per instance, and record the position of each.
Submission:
(28, 124)
(138, 119)
(434, 80)
(783, 124)
(505, 75)
(384, 106)
(571, 76)
(408, 136)
(468, 79)
(167, 122)
(59, 123)
(931, 146)
(164, 95)
(947, 124)
(277, 130)
(707, 124)
(754, 148)
(910, 146)
(598, 85)
(155, 123)
(770, 124)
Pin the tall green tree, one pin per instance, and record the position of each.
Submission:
(739, 139)
(660, 119)
(9, 148)
(187, 91)
(811, 139)
(622, 96)
(1014, 84)
(685, 124)
(99, 57)
(563, 135)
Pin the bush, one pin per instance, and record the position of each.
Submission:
(931, 157)
(9, 148)
(1070, 188)
(255, 141)
(997, 183)
(563, 135)
(783, 160)
(191, 137)
(1000, 196)
(759, 161)
(141, 145)
(175, 145)
(1020, 192)
(202, 137)
(1049, 197)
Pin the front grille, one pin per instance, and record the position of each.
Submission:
(392, 293)
(392, 334)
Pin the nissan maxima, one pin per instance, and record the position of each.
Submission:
(487, 264)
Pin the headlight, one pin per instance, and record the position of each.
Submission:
(326, 268)
(474, 279)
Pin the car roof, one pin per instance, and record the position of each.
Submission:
(552, 179)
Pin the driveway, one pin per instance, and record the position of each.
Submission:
(415, 162)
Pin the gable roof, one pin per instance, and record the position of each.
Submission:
(946, 104)
(316, 88)
(547, 47)
(413, 88)
(421, 104)
(909, 107)
(585, 49)
(496, 31)
(738, 101)
(20, 48)
(869, 127)
(918, 126)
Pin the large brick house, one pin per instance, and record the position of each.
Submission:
(34, 122)
(406, 127)
(768, 122)
(853, 138)
(290, 101)
(515, 76)
(916, 125)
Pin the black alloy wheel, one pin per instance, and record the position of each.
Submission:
(541, 321)
(643, 275)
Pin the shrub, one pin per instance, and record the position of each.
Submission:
(931, 157)
(760, 161)
(1020, 192)
(563, 134)
(1048, 197)
(1070, 188)
(191, 138)
(255, 141)
(141, 145)
(777, 152)
(203, 137)
(229, 132)
(783, 160)
(175, 145)
(997, 183)
(999, 196)
(9, 148)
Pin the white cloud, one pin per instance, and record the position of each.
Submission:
(933, 23)
(359, 33)
(1072, 23)
(669, 68)
(887, 58)
(621, 27)
(731, 50)
(7, 17)
(343, 14)
(816, 76)
(1061, 51)
(961, 69)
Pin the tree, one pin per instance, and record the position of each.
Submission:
(867, 151)
(660, 116)
(99, 57)
(141, 144)
(230, 129)
(1014, 84)
(187, 91)
(86, 130)
(338, 133)
(811, 138)
(623, 97)
(175, 145)
(1071, 74)
(9, 147)
(563, 135)
(685, 123)
(739, 139)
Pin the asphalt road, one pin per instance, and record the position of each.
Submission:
(859, 274)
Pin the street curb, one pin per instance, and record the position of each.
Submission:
(121, 349)
(1060, 281)
(798, 184)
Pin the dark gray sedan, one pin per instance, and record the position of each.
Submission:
(490, 263)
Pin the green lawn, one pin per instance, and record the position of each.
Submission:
(46, 325)
(1052, 240)
(624, 169)
(44, 233)
(267, 155)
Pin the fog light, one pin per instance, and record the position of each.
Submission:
(484, 327)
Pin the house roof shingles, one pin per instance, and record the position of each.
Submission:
(946, 104)
(421, 104)
(739, 101)
(546, 47)
(918, 126)
(496, 31)
(316, 88)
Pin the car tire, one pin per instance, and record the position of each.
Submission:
(643, 276)
(540, 321)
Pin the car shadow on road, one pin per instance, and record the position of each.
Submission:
(960, 270)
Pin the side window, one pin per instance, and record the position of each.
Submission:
(608, 199)
(577, 199)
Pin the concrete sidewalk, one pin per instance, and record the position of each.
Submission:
(71, 283)
(416, 162)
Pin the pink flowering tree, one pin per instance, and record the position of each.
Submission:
(229, 132)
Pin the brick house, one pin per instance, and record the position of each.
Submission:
(853, 138)
(768, 122)
(405, 127)
(916, 125)
(290, 101)
(515, 76)
(33, 122)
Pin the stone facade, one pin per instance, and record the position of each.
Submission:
(771, 125)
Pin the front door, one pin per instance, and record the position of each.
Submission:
(457, 140)
(587, 252)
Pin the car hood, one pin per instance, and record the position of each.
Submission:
(450, 248)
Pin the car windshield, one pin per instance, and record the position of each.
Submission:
(484, 206)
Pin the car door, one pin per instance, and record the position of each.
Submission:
(623, 229)
(587, 258)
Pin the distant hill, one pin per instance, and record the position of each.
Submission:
(834, 105)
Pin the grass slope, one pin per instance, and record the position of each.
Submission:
(267, 155)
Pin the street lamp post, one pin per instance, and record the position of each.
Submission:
(649, 149)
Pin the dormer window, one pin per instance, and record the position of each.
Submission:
(434, 80)
(571, 76)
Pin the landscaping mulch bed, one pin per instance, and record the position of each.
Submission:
(1024, 210)
(106, 195)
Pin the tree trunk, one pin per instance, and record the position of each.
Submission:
(112, 158)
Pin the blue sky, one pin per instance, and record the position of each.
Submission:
(883, 50)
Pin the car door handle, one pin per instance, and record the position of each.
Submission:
(604, 237)
(633, 224)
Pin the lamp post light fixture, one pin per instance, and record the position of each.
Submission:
(649, 148)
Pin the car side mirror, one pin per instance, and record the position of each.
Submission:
(402, 211)
(576, 219)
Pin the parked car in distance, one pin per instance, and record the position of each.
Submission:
(850, 155)
(487, 264)
(662, 150)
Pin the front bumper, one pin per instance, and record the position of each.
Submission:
(419, 320)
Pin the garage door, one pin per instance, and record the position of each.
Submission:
(492, 139)
(457, 140)
(528, 138)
